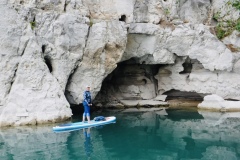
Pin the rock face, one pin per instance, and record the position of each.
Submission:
(50, 50)
(37, 98)
(105, 46)
(214, 102)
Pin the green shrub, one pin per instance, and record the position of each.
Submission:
(216, 16)
(33, 24)
(225, 28)
(220, 33)
(236, 4)
(238, 25)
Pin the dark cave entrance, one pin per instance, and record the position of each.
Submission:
(134, 81)
(187, 66)
(48, 63)
(129, 81)
(176, 94)
(123, 18)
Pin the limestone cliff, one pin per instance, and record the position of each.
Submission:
(51, 49)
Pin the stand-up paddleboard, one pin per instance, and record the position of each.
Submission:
(79, 125)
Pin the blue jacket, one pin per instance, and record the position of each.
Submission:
(87, 97)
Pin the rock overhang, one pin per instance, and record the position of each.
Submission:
(85, 40)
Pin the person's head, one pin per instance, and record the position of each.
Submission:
(88, 88)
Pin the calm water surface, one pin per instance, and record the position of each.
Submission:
(155, 135)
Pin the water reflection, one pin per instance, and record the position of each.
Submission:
(32, 143)
(87, 143)
(178, 134)
(170, 134)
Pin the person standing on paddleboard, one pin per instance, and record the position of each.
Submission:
(87, 102)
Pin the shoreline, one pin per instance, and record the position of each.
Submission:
(168, 104)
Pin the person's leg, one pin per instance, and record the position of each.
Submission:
(85, 111)
(83, 117)
(88, 113)
(88, 118)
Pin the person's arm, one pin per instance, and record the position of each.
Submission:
(90, 99)
(85, 97)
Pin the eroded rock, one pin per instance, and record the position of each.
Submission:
(49, 48)
(215, 102)
(35, 96)
(105, 47)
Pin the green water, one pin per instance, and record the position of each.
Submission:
(156, 135)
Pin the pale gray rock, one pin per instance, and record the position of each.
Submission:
(124, 9)
(35, 96)
(110, 10)
(228, 86)
(63, 40)
(78, 7)
(143, 28)
(198, 43)
(236, 67)
(147, 46)
(104, 10)
(194, 11)
(195, 41)
(105, 47)
(148, 11)
(215, 102)
(161, 98)
(139, 45)
(12, 44)
(80, 42)
(233, 41)
(199, 80)
(224, 10)
(57, 5)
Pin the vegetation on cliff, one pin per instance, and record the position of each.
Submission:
(225, 27)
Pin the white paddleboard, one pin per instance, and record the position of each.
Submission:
(79, 125)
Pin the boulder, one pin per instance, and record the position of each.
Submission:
(215, 102)
(161, 98)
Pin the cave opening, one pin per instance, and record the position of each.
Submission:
(48, 63)
(43, 48)
(135, 81)
(129, 81)
(187, 66)
(123, 18)
(177, 94)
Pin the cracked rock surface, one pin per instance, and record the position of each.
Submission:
(123, 49)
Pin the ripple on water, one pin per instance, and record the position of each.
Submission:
(172, 134)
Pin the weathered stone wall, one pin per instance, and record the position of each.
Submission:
(50, 50)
